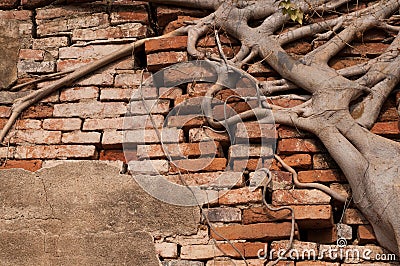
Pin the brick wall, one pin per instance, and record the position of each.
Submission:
(87, 120)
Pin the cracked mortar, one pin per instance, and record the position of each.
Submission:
(83, 213)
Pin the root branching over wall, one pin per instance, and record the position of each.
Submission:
(341, 104)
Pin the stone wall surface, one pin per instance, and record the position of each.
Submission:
(63, 198)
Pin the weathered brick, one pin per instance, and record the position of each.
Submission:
(27, 124)
(78, 137)
(317, 263)
(104, 79)
(141, 136)
(353, 217)
(182, 263)
(5, 111)
(300, 197)
(148, 167)
(29, 66)
(323, 161)
(280, 179)
(239, 196)
(250, 164)
(252, 150)
(321, 176)
(169, 93)
(15, 14)
(290, 132)
(154, 106)
(366, 235)
(166, 44)
(55, 151)
(298, 145)
(31, 54)
(201, 252)
(129, 80)
(307, 216)
(182, 150)
(223, 215)
(388, 129)
(138, 15)
(341, 189)
(323, 235)
(298, 160)
(195, 165)
(250, 262)
(187, 121)
(79, 93)
(90, 109)
(299, 248)
(90, 51)
(112, 94)
(72, 64)
(29, 165)
(129, 30)
(255, 132)
(36, 137)
(113, 155)
(163, 59)
(265, 231)
(167, 250)
(63, 124)
(209, 180)
(50, 42)
(67, 24)
(355, 253)
(127, 122)
(166, 14)
(8, 4)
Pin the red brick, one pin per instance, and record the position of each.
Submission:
(366, 235)
(159, 60)
(290, 132)
(196, 165)
(339, 63)
(35, 3)
(35, 137)
(300, 197)
(239, 196)
(307, 216)
(154, 106)
(265, 231)
(30, 54)
(27, 124)
(8, 4)
(321, 176)
(260, 69)
(298, 160)
(250, 164)
(138, 15)
(15, 14)
(38, 111)
(209, 180)
(78, 137)
(323, 161)
(298, 48)
(166, 14)
(29, 165)
(389, 129)
(91, 109)
(186, 121)
(169, 93)
(354, 217)
(324, 235)
(71, 64)
(187, 150)
(3, 122)
(287, 103)
(113, 155)
(298, 145)
(166, 44)
(63, 124)
(79, 93)
(55, 151)
(255, 132)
